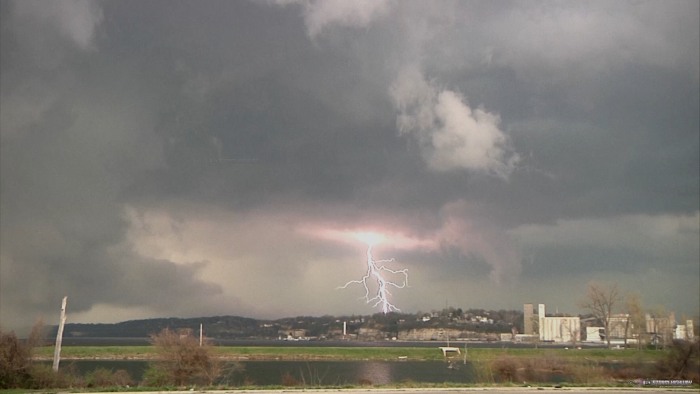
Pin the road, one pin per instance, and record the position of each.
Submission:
(468, 390)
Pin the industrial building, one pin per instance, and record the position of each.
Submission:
(685, 331)
(660, 329)
(560, 329)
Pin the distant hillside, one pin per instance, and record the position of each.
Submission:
(216, 326)
(378, 326)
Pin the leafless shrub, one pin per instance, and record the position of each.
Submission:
(483, 373)
(44, 377)
(102, 377)
(505, 369)
(15, 361)
(289, 380)
(312, 376)
(588, 372)
(683, 362)
(182, 360)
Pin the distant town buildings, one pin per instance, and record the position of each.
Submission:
(659, 328)
(685, 331)
(620, 326)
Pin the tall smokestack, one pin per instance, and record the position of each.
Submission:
(540, 316)
(527, 319)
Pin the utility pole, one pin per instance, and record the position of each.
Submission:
(59, 335)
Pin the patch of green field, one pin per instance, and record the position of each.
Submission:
(605, 355)
(360, 353)
(98, 352)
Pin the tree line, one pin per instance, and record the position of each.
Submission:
(607, 304)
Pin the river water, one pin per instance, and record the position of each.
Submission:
(310, 373)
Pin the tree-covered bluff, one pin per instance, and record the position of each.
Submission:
(449, 321)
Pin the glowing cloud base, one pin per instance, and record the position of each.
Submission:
(376, 276)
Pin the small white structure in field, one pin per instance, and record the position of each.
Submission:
(449, 349)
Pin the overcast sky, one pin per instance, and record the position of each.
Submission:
(193, 158)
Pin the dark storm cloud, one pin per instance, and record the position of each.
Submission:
(160, 149)
(66, 163)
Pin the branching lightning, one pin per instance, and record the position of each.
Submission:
(375, 272)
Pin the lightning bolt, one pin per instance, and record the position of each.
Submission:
(375, 272)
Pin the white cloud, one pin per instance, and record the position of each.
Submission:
(74, 19)
(319, 15)
(452, 135)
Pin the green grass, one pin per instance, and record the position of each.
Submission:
(98, 352)
(605, 355)
(357, 353)
(582, 367)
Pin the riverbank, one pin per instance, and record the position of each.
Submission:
(416, 390)
(307, 366)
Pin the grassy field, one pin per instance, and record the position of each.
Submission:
(357, 353)
(489, 366)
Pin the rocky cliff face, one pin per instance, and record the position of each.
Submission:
(370, 334)
(441, 334)
(430, 334)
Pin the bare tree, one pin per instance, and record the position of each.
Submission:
(574, 333)
(661, 326)
(636, 322)
(600, 301)
(38, 334)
